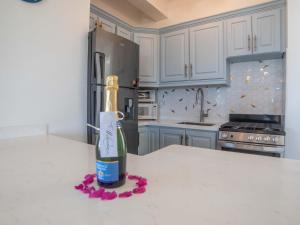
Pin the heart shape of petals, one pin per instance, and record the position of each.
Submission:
(86, 187)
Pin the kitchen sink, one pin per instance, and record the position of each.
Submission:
(198, 124)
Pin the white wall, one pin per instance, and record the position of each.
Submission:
(43, 54)
(293, 81)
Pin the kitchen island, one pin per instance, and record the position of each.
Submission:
(187, 186)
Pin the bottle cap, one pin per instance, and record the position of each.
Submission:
(112, 81)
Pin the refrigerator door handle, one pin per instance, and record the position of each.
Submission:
(97, 65)
(94, 107)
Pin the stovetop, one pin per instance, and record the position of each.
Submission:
(254, 129)
(257, 128)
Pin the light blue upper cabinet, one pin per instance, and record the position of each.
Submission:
(174, 56)
(149, 57)
(254, 34)
(266, 32)
(123, 32)
(207, 52)
(239, 36)
(107, 25)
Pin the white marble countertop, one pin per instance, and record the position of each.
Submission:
(174, 123)
(187, 186)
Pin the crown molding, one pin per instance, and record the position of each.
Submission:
(222, 16)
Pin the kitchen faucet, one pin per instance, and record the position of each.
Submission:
(202, 114)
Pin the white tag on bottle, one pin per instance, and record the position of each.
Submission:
(108, 135)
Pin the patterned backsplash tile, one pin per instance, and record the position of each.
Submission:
(256, 87)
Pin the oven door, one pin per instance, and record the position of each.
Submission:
(257, 149)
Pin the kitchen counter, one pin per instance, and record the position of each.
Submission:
(187, 186)
(172, 123)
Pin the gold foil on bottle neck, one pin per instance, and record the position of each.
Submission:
(112, 81)
(111, 88)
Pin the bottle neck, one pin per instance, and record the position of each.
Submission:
(111, 99)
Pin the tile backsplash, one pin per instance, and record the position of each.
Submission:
(256, 87)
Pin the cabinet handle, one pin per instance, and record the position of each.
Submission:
(255, 43)
(185, 70)
(249, 39)
(191, 70)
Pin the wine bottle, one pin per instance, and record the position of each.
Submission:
(111, 147)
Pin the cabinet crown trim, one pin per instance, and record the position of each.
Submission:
(222, 16)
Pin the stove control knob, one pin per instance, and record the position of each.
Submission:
(275, 139)
(251, 138)
(224, 135)
(258, 138)
(267, 138)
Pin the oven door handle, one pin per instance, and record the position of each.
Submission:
(251, 147)
(227, 144)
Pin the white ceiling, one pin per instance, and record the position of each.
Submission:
(160, 13)
(149, 8)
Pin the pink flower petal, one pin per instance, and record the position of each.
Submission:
(79, 187)
(141, 183)
(133, 177)
(125, 194)
(139, 190)
(97, 193)
(88, 190)
(88, 181)
(109, 195)
(89, 175)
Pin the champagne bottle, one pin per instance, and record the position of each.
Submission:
(110, 162)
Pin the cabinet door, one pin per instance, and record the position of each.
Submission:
(171, 136)
(123, 32)
(202, 139)
(149, 58)
(207, 52)
(174, 56)
(266, 32)
(143, 141)
(239, 35)
(107, 25)
(153, 139)
(93, 19)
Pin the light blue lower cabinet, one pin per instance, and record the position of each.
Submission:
(143, 141)
(201, 139)
(171, 136)
(153, 138)
(148, 139)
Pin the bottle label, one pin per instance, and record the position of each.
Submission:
(107, 171)
(108, 135)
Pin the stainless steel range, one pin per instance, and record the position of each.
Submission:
(254, 134)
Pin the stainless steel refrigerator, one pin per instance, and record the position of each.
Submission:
(111, 54)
